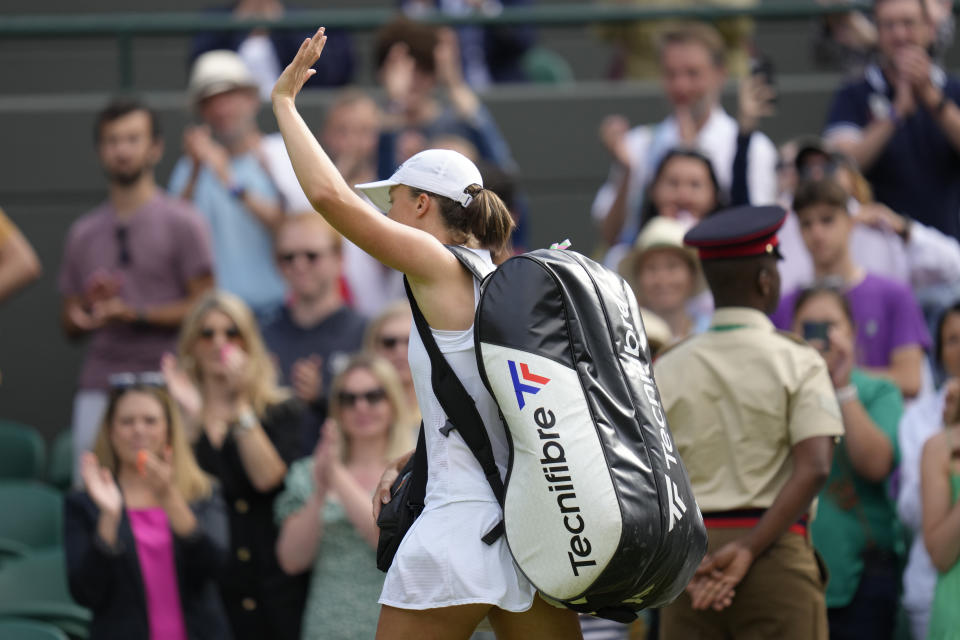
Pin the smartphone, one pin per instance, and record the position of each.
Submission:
(817, 334)
(762, 67)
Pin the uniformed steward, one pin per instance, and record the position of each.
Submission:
(754, 416)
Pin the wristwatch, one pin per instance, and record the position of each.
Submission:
(246, 420)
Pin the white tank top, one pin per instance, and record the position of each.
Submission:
(454, 475)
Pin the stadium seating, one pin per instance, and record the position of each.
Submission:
(22, 453)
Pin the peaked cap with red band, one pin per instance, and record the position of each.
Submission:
(740, 232)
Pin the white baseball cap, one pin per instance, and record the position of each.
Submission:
(217, 72)
(439, 171)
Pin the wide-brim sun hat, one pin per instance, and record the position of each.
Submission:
(439, 171)
(661, 233)
(216, 72)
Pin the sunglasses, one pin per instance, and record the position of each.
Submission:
(391, 342)
(123, 247)
(348, 400)
(126, 381)
(231, 334)
(290, 257)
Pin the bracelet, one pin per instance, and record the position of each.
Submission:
(846, 394)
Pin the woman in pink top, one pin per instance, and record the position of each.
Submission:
(147, 535)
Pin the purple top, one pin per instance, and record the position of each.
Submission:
(885, 314)
(167, 244)
(155, 552)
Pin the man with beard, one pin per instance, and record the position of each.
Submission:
(131, 268)
(239, 179)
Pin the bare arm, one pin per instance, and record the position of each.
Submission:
(612, 224)
(905, 370)
(173, 313)
(300, 535)
(414, 252)
(355, 502)
(263, 465)
(19, 264)
(182, 520)
(865, 150)
(871, 453)
(941, 519)
(729, 564)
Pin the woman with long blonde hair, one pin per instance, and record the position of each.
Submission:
(388, 336)
(245, 431)
(146, 505)
(324, 511)
(435, 198)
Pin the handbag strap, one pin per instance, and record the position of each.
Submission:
(460, 408)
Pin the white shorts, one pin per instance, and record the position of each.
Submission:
(442, 562)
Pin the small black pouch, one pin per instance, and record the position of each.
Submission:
(406, 503)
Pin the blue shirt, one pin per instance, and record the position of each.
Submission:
(242, 247)
(918, 173)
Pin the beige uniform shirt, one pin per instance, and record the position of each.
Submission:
(737, 398)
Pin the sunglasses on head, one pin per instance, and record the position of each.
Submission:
(209, 333)
(124, 381)
(372, 397)
(391, 342)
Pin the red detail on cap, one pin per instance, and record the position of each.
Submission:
(758, 247)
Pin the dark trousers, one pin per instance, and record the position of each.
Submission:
(873, 611)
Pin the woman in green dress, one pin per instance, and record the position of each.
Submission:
(940, 486)
(324, 511)
(855, 529)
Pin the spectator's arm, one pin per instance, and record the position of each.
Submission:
(933, 257)
(946, 113)
(91, 560)
(866, 147)
(300, 535)
(75, 319)
(172, 314)
(263, 465)
(870, 449)
(19, 264)
(905, 370)
(356, 502)
(270, 213)
(941, 516)
(612, 224)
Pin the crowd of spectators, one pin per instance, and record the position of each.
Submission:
(245, 380)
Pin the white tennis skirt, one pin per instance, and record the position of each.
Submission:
(442, 562)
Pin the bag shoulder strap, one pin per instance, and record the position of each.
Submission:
(460, 408)
(473, 263)
(418, 477)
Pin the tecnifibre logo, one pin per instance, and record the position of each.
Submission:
(519, 387)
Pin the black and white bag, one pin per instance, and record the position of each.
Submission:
(598, 510)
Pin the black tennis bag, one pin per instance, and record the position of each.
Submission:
(599, 513)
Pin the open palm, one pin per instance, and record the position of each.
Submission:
(297, 73)
(100, 485)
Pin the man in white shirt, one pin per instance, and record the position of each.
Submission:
(693, 72)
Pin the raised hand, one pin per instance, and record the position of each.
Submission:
(446, 56)
(613, 135)
(397, 73)
(100, 486)
(951, 403)
(297, 73)
(158, 472)
(182, 389)
(839, 358)
(306, 378)
(755, 102)
(236, 362)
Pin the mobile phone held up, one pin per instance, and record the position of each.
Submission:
(817, 334)
(762, 67)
